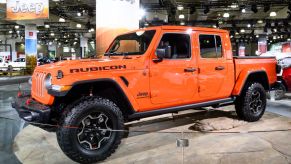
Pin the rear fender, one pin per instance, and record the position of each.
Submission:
(250, 75)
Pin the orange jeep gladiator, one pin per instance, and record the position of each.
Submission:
(143, 73)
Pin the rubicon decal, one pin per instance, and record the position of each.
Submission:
(93, 69)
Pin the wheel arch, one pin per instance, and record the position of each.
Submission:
(106, 88)
(259, 76)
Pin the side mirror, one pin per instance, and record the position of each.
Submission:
(162, 53)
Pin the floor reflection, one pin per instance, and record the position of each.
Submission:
(10, 123)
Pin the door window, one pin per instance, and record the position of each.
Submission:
(179, 43)
(210, 46)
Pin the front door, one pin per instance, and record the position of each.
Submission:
(174, 79)
(212, 65)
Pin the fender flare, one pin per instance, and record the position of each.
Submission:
(242, 79)
(109, 80)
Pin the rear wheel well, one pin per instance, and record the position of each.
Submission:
(106, 89)
(259, 77)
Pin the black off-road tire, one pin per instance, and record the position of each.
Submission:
(245, 101)
(280, 92)
(67, 133)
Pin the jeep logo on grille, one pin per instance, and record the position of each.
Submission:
(93, 69)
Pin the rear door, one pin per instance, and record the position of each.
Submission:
(212, 65)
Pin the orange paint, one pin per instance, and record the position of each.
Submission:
(166, 82)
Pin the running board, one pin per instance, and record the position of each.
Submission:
(220, 102)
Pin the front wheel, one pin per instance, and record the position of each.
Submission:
(91, 131)
(251, 104)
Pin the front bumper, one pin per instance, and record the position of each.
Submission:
(30, 110)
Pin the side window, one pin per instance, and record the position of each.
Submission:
(210, 46)
(179, 43)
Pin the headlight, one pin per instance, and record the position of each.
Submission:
(48, 81)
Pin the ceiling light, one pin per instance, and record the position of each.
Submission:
(52, 34)
(62, 20)
(182, 23)
(242, 30)
(16, 27)
(288, 39)
(260, 21)
(273, 14)
(257, 36)
(10, 32)
(47, 26)
(214, 26)
(249, 25)
(79, 14)
(226, 15)
(243, 9)
(180, 7)
(79, 26)
(181, 16)
(275, 30)
(234, 6)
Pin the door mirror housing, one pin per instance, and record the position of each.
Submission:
(162, 53)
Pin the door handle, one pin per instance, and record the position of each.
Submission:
(189, 69)
(219, 68)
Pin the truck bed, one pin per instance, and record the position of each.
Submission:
(255, 63)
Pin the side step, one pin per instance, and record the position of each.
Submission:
(220, 102)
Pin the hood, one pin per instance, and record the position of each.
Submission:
(93, 65)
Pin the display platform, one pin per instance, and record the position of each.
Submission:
(33, 145)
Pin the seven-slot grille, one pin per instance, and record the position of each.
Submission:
(39, 84)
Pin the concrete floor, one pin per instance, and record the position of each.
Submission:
(32, 145)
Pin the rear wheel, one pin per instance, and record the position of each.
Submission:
(280, 91)
(251, 104)
(86, 134)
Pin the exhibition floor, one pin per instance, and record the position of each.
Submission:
(33, 145)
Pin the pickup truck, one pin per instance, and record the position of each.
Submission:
(143, 73)
(3, 66)
(17, 64)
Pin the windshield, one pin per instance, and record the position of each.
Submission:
(132, 44)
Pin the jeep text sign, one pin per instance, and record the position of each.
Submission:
(27, 9)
